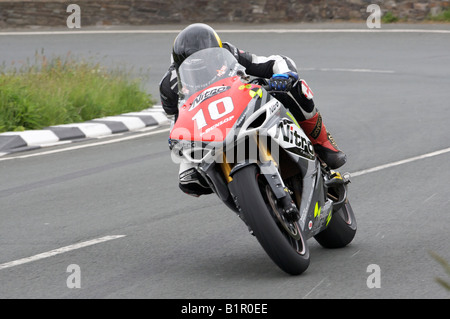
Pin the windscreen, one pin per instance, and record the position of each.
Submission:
(204, 68)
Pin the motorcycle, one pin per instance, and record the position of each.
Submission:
(255, 157)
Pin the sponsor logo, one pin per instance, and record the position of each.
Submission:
(317, 128)
(274, 107)
(206, 94)
(256, 92)
(209, 129)
(245, 86)
(222, 70)
(291, 135)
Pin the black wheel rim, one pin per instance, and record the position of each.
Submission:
(291, 231)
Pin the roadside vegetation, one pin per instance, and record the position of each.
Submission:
(389, 17)
(443, 16)
(65, 90)
(446, 266)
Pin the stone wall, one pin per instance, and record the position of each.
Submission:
(46, 13)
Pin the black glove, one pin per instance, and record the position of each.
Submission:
(283, 82)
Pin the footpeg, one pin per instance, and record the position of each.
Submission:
(337, 179)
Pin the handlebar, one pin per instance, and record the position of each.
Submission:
(259, 81)
(269, 90)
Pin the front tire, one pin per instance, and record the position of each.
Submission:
(282, 241)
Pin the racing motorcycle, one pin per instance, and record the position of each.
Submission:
(255, 157)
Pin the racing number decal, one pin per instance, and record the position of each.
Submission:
(199, 117)
(214, 112)
(214, 109)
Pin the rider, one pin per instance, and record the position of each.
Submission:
(281, 73)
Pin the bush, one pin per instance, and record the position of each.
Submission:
(389, 17)
(63, 90)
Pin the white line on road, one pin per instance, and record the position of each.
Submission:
(59, 251)
(405, 161)
(347, 70)
(336, 31)
(175, 31)
(314, 288)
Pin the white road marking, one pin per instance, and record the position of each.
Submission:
(347, 70)
(314, 288)
(405, 161)
(59, 251)
(429, 198)
(176, 31)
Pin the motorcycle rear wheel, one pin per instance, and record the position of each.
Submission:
(341, 230)
(282, 241)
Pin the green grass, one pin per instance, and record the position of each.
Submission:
(446, 267)
(444, 16)
(63, 90)
(389, 17)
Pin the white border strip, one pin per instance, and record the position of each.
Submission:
(85, 32)
(131, 123)
(405, 161)
(90, 129)
(114, 140)
(36, 137)
(58, 251)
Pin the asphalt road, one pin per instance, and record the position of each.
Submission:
(385, 98)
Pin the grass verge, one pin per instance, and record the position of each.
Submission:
(389, 17)
(443, 16)
(64, 90)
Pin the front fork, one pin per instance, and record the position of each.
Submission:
(268, 168)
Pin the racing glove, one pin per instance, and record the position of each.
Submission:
(283, 81)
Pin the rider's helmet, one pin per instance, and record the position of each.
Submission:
(193, 38)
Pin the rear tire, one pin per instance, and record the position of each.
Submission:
(341, 230)
(282, 241)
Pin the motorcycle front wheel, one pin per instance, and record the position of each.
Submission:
(282, 240)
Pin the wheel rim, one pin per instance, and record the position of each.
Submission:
(290, 230)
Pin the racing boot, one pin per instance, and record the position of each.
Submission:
(324, 144)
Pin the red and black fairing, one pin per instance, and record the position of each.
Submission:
(210, 114)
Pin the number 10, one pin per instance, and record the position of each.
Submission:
(214, 112)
